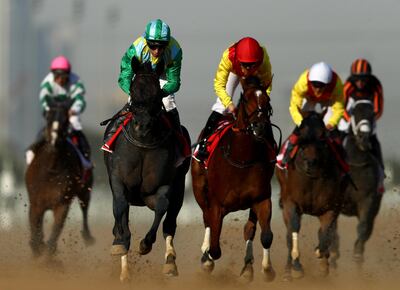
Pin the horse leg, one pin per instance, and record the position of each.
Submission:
(169, 228)
(334, 248)
(366, 216)
(249, 232)
(264, 212)
(84, 200)
(161, 204)
(292, 219)
(60, 213)
(211, 249)
(36, 214)
(325, 236)
(122, 234)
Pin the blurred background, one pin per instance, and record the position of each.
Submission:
(95, 34)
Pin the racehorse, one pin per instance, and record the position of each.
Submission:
(142, 169)
(311, 184)
(238, 177)
(54, 178)
(363, 200)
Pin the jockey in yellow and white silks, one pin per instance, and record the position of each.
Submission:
(242, 59)
(317, 85)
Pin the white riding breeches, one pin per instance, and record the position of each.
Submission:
(231, 85)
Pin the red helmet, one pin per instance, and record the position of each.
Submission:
(360, 67)
(249, 50)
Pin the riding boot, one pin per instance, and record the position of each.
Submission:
(291, 144)
(83, 144)
(173, 117)
(116, 122)
(212, 122)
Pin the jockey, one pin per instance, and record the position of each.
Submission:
(317, 85)
(155, 45)
(61, 84)
(242, 59)
(363, 84)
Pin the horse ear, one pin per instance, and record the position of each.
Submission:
(160, 68)
(135, 64)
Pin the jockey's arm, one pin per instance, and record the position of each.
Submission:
(78, 95)
(44, 95)
(126, 72)
(299, 92)
(173, 74)
(378, 100)
(338, 105)
(221, 78)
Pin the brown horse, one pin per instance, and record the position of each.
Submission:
(54, 178)
(238, 177)
(311, 184)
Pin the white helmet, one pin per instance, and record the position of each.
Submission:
(320, 72)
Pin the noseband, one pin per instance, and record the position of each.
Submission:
(363, 125)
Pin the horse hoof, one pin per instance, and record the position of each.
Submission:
(269, 274)
(287, 276)
(89, 241)
(124, 277)
(358, 258)
(170, 270)
(207, 264)
(118, 250)
(297, 273)
(247, 273)
(323, 267)
(144, 249)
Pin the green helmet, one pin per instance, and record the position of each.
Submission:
(157, 30)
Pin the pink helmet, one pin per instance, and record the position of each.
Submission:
(60, 63)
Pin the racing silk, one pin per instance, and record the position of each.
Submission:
(332, 97)
(373, 92)
(229, 64)
(172, 57)
(75, 90)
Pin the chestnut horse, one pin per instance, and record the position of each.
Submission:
(238, 177)
(311, 184)
(363, 200)
(142, 169)
(54, 178)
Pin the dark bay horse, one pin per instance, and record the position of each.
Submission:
(238, 177)
(54, 178)
(363, 200)
(142, 170)
(311, 185)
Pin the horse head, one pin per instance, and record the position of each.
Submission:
(362, 123)
(254, 109)
(312, 146)
(146, 96)
(57, 121)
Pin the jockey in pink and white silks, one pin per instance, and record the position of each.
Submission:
(61, 84)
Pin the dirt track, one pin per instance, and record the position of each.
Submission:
(79, 267)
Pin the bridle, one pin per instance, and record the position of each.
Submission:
(363, 125)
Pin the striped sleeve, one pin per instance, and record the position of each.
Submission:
(378, 101)
(126, 72)
(45, 92)
(347, 91)
(78, 95)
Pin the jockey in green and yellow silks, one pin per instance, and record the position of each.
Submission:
(155, 45)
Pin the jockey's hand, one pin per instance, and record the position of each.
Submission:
(72, 112)
(231, 109)
(330, 127)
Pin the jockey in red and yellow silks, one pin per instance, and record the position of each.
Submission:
(242, 59)
(317, 85)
